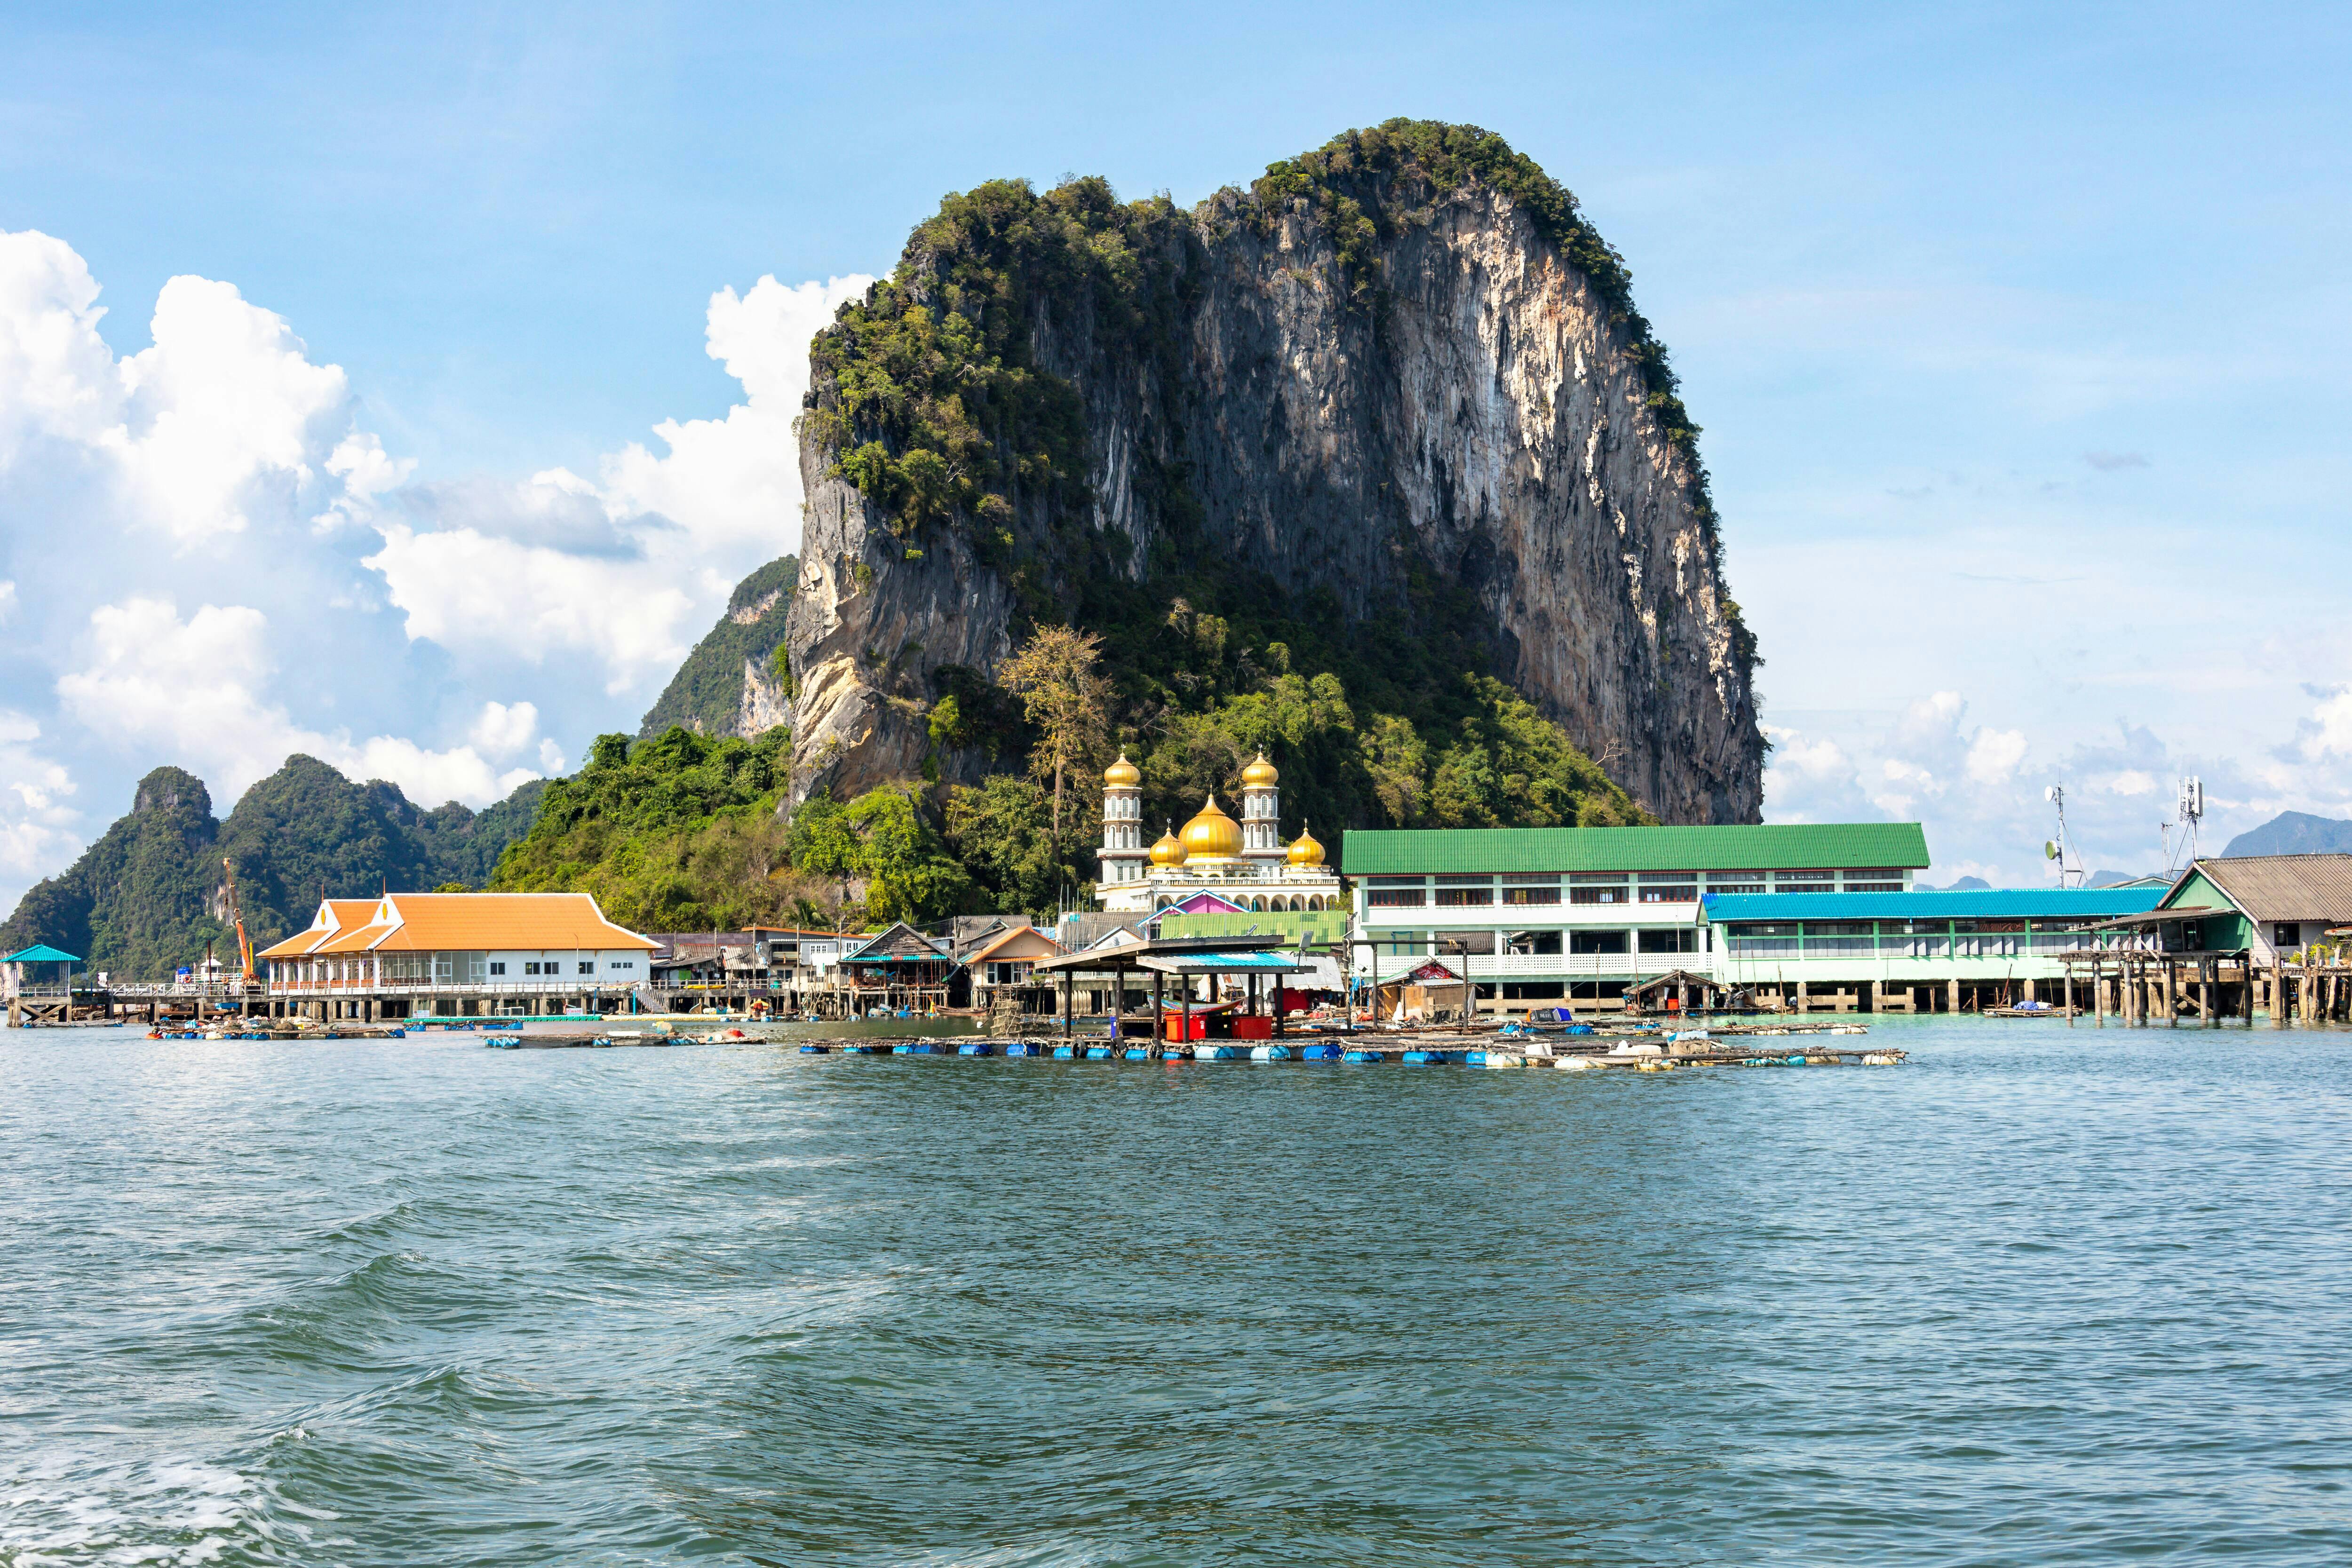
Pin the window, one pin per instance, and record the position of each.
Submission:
(1531, 887)
(588, 967)
(1531, 944)
(1670, 887)
(1877, 879)
(1465, 880)
(532, 967)
(625, 963)
(1394, 898)
(1763, 939)
(1830, 938)
(1448, 943)
(1913, 938)
(1802, 881)
(1678, 939)
(2285, 935)
(1401, 943)
(1596, 942)
(1735, 881)
(498, 966)
(1464, 897)
(1596, 887)
(1398, 881)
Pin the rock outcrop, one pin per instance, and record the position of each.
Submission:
(1382, 376)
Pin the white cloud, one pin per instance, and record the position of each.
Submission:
(35, 824)
(736, 480)
(628, 570)
(474, 593)
(1994, 756)
(442, 635)
(196, 691)
(504, 728)
(2328, 731)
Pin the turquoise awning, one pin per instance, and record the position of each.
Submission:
(39, 955)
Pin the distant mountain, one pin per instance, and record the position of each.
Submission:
(732, 684)
(151, 892)
(2293, 833)
(2121, 878)
(1965, 885)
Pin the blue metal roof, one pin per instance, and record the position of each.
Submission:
(1975, 904)
(41, 954)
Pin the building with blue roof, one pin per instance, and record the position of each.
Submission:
(1904, 952)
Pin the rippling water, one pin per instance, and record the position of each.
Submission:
(2039, 1296)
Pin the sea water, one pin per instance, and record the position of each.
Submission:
(2039, 1295)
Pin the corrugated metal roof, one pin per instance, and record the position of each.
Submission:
(1736, 847)
(2285, 887)
(1993, 903)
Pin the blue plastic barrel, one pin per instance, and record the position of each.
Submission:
(816, 1049)
(1370, 1058)
(1428, 1058)
(976, 1048)
(1136, 1053)
(1319, 1053)
(1066, 1052)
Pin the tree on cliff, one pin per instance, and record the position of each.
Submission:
(1058, 679)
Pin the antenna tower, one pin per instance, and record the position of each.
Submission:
(2062, 848)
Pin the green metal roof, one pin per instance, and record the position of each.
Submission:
(1738, 847)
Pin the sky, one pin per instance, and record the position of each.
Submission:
(409, 385)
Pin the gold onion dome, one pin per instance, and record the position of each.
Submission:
(1169, 851)
(1260, 774)
(1122, 774)
(1212, 835)
(1304, 850)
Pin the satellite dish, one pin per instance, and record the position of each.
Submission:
(2050, 793)
(2049, 850)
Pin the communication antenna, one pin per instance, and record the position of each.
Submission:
(2189, 812)
(2062, 848)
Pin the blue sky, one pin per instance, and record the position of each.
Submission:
(2018, 337)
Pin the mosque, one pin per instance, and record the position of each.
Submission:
(1246, 864)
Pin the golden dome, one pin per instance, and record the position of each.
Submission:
(1305, 850)
(1122, 774)
(1169, 851)
(1259, 773)
(1212, 835)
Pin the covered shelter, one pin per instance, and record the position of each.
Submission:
(1673, 991)
(1185, 959)
(30, 1003)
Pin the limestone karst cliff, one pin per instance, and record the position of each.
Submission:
(1396, 392)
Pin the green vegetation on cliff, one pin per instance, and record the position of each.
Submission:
(148, 895)
(705, 695)
(681, 833)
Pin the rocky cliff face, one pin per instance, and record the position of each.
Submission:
(1375, 376)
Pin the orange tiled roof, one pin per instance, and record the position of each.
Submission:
(468, 922)
(335, 915)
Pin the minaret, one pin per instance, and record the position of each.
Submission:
(1123, 853)
(1262, 818)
